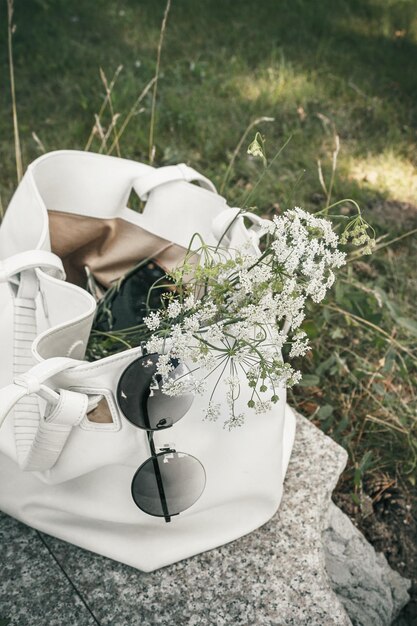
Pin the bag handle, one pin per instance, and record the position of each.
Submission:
(143, 185)
(31, 259)
(229, 226)
(40, 439)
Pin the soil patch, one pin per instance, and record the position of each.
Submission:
(388, 519)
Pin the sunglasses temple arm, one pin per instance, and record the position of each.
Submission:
(158, 477)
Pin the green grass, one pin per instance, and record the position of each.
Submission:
(317, 68)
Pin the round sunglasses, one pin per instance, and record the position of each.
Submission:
(169, 482)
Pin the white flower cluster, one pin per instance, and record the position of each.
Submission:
(307, 249)
(243, 310)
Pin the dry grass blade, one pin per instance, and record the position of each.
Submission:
(98, 129)
(328, 190)
(392, 419)
(114, 116)
(98, 115)
(374, 327)
(377, 420)
(399, 238)
(334, 167)
(155, 86)
(38, 142)
(133, 111)
(321, 177)
(18, 152)
(110, 129)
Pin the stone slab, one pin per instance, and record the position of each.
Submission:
(33, 589)
(371, 592)
(274, 576)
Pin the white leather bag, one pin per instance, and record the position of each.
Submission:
(60, 471)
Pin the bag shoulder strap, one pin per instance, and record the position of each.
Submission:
(39, 438)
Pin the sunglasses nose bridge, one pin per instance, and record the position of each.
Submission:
(164, 422)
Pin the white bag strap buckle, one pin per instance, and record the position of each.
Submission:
(143, 185)
(41, 439)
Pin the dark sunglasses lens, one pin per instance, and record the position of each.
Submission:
(168, 483)
(140, 397)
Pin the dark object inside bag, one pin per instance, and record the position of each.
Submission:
(131, 298)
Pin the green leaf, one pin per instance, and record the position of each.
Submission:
(325, 365)
(311, 329)
(393, 309)
(355, 499)
(337, 333)
(326, 314)
(378, 389)
(339, 293)
(341, 425)
(366, 461)
(309, 380)
(408, 323)
(357, 478)
(325, 411)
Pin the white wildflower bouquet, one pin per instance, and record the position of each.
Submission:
(232, 315)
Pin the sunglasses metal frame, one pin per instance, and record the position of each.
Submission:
(161, 425)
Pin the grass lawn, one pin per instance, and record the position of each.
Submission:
(345, 67)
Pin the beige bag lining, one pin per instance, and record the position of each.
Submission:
(108, 247)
